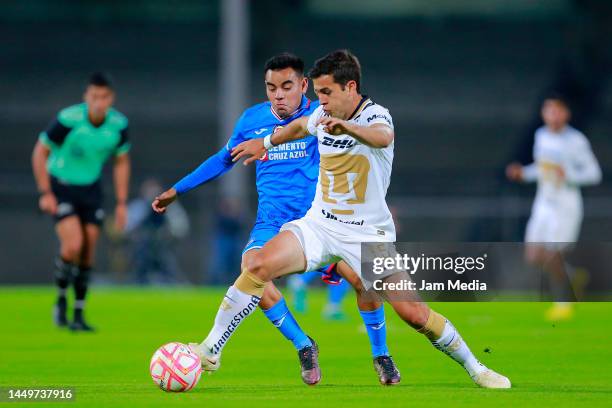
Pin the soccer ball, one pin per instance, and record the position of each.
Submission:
(174, 367)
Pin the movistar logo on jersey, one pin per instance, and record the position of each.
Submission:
(339, 143)
(379, 116)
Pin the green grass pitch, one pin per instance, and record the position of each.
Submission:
(566, 364)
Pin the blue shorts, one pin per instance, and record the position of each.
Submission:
(262, 233)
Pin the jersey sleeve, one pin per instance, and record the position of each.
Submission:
(584, 168)
(313, 119)
(56, 133)
(217, 164)
(124, 145)
(237, 136)
(376, 114)
(530, 173)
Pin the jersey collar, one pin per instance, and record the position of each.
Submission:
(304, 104)
(359, 108)
(560, 132)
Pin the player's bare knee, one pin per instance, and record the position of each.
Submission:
(258, 266)
(71, 250)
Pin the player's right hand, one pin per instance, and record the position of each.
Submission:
(163, 200)
(514, 172)
(252, 150)
(48, 203)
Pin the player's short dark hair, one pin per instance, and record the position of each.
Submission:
(557, 97)
(100, 79)
(341, 64)
(285, 60)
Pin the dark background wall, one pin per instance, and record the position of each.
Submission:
(463, 88)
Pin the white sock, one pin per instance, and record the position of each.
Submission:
(236, 306)
(451, 343)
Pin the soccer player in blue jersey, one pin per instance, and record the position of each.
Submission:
(286, 182)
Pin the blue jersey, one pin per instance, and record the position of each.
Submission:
(286, 176)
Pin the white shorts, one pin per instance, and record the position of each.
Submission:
(323, 246)
(555, 227)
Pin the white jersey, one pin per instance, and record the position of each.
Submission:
(569, 151)
(353, 179)
(556, 215)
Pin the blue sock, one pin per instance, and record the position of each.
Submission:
(281, 317)
(308, 277)
(377, 330)
(337, 292)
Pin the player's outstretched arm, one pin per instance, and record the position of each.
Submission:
(254, 149)
(377, 135)
(518, 173)
(215, 166)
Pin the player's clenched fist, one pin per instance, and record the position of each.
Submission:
(163, 200)
(335, 126)
(48, 203)
(251, 149)
(514, 172)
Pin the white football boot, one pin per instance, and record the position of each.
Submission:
(490, 379)
(210, 362)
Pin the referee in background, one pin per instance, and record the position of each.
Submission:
(67, 162)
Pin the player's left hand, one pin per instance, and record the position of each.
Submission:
(251, 149)
(162, 201)
(335, 126)
(514, 172)
(120, 216)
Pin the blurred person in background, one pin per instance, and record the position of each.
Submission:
(67, 162)
(563, 163)
(227, 242)
(151, 236)
(298, 284)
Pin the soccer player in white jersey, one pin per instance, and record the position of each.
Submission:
(563, 162)
(356, 146)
